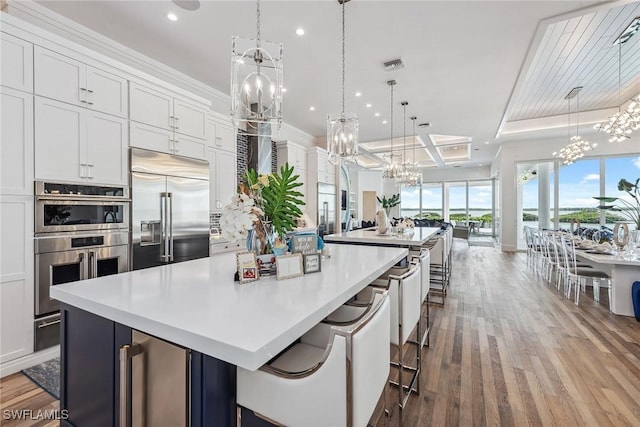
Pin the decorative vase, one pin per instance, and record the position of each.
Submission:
(620, 235)
(260, 240)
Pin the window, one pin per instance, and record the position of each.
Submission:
(617, 168)
(432, 201)
(578, 183)
(410, 202)
(457, 201)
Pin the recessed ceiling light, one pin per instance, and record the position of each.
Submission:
(358, 93)
(480, 164)
(312, 108)
(172, 17)
(300, 31)
(384, 122)
(486, 142)
(284, 89)
(368, 105)
(377, 114)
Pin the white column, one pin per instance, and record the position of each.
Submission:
(544, 198)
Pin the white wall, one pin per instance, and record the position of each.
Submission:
(366, 181)
(455, 174)
(538, 150)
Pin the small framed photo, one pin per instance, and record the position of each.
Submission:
(289, 266)
(312, 263)
(247, 267)
(304, 244)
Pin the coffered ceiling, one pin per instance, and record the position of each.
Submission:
(474, 69)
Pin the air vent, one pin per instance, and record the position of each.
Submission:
(394, 64)
(424, 125)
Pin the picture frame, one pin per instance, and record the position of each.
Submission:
(247, 267)
(304, 244)
(289, 266)
(312, 263)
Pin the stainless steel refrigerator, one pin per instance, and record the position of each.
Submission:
(170, 208)
(326, 208)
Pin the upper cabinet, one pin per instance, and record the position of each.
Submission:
(16, 64)
(155, 107)
(319, 166)
(292, 153)
(220, 137)
(75, 144)
(16, 142)
(69, 80)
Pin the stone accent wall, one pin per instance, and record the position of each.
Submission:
(242, 144)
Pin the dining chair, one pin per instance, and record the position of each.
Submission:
(577, 275)
(334, 375)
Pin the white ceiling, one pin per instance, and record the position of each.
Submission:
(472, 67)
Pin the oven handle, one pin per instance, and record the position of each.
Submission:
(163, 226)
(93, 265)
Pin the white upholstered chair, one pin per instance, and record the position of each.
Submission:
(333, 377)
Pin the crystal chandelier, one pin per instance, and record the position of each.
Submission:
(576, 147)
(414, 175)
(256, 83)
(623, 123)
(342, 129)
(405, 166)
(392, 169)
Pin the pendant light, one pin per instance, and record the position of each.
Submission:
(256, 83)
(415, 175)
(404, 164)
(391, 169)
(576, 147)
(342, 129)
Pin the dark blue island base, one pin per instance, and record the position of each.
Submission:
(90, 370)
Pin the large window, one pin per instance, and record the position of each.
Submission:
(617, 168)
(578, 184)
(457, 192)
(481, 206)
(432, 201)
(410, 202)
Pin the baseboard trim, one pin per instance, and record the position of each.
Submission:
(16, 365)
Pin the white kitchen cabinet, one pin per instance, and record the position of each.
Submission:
(107, 143)
(165, 141)
(16, 142)
(150, 106)
(160, 109)
(69, 80)
(223, 182)
(221, 137)
(16, 64)
(107, 92)
(16, 277)
(292, 153)
(72, 144)
(184, 145)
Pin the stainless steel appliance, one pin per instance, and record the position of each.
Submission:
(326, 208)
(154, 383)
(81, 233)
(170, 208)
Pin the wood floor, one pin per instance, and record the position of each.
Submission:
(506, 349)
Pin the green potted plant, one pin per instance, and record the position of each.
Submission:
(389, 203)
(630, 208)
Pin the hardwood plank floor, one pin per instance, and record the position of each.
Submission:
(506, 349)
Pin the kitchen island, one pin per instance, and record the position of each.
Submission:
(197, 306)
(369, 236)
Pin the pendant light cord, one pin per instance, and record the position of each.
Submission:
(413, 119)
(343, 61)
(404, 133)
(619, 75)
(258, 23)
(391, 123)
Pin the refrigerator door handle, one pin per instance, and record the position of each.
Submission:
(170, 226)
(163, 226)
(325, 212)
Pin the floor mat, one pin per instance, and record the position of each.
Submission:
(46, 375)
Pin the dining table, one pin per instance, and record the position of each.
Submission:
(623, 270)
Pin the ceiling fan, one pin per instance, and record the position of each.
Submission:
(188, 4)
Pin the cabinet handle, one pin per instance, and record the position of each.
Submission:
(90, 169)
(177, 120)
(127, 352)
(80, 97)
(44, 325)
(89, 97)
(175, 145)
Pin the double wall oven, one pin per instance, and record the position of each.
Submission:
(82, 232)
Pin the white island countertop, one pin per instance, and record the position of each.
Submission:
(197, 304)
(369, 236)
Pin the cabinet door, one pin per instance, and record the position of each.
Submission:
(16, 277)
(303, 189)
(213, 179)
(299, 158)
(107, 148)
(190, 147)
(225, 178)
(60, 135)
(59, 77)
(107, 92)
(150, 106)
(150, 137)
(225, 138)
(16, 142)
(16, 66)
(190, 119)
